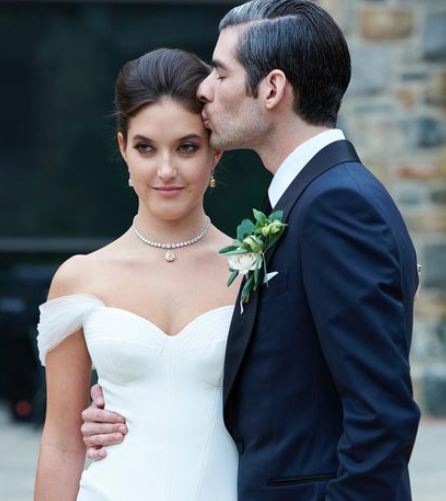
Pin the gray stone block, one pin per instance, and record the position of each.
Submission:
(429, 337)
(438, 196)
(371, 68)
(434, 37)
(434, 270)
(434, 390)
(424, 132)
(411, 194)
(415, 76)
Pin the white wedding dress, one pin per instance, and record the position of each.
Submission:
(169, 388)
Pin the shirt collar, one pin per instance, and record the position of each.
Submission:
(297, 160)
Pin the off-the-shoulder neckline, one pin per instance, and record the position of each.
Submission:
(136, 315)
(75, 295)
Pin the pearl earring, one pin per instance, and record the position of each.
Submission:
(212, 181)
(130, 182)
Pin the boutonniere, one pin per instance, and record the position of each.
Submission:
(246, 255)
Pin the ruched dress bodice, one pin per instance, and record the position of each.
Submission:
(169, 388)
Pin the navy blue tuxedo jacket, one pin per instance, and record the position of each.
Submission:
(317, 389)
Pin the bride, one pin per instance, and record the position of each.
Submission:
(150, 312)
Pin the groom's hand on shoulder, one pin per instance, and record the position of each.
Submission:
(101, 427)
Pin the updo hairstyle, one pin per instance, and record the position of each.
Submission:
(160, 73)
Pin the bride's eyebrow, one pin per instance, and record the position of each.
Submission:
(189, 136)
(139, 137)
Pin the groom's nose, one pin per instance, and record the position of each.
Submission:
(204, 91)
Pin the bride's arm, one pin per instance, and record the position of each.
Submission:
(68, 371)
(62, 451)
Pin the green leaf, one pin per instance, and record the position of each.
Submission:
(276, 215)
(257, 277)
(259, 216)
(232, 277)
(227, 249)
(245, 229)
(246, 292)
(236, 251)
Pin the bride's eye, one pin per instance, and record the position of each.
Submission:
(188, 148)
(143, 147)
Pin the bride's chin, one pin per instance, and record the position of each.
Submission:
(169, 214)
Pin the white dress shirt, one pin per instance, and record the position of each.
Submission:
(297, 160)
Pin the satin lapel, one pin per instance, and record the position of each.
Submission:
(242, 325)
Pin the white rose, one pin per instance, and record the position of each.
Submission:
(244, 262)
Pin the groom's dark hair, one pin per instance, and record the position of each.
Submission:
(301, 39)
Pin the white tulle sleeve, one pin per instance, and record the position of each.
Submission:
(61, 317)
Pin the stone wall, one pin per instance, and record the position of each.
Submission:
(395, 114)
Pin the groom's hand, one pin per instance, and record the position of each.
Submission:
(101, 427)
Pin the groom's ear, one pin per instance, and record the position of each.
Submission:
(273, 89)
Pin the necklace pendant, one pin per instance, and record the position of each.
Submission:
(170, 256)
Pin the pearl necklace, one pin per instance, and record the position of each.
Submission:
(170, 256)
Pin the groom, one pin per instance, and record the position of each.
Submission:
(317, 390)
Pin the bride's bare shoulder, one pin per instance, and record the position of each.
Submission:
(77, 274)
(68, 277)
(221, 239)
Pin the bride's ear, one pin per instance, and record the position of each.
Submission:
(121, 144)
(216, 158)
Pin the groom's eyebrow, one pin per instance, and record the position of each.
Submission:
(216, 63)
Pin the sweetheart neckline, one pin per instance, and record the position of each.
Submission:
(144, 319)
(158, 328)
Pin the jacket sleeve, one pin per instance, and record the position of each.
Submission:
(353, 281)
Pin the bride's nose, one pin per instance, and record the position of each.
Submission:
(166, 170)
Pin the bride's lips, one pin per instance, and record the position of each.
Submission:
(168, 191)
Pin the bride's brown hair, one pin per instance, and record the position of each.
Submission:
(172, 73)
